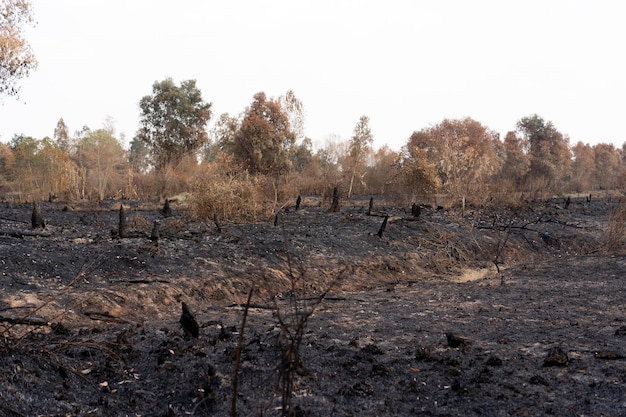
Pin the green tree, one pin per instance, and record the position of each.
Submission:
(302, 154)
(139, 156)
(550, 158)
(173, 121)
(359, 147)
(16, 57)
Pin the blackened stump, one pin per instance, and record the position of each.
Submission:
(122, 228)
(167, 210)
(189, 323)
(334, 208)
(37, 220)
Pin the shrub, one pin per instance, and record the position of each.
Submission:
(229, 197)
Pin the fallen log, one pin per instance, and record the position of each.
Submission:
(27, 321)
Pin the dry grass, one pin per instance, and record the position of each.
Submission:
(233, 198)
(614, 238)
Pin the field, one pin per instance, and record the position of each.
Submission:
(493, 312)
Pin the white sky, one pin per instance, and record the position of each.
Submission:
(405, 64)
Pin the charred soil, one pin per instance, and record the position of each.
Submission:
(494, 312)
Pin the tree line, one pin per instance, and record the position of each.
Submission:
(263, 155)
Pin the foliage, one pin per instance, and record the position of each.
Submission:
(40, 168)
(550, 158)
(417, 173)
(105, 163)
(463, 152)
(139, 156)
(516, 162)
(173, 121)
(16, 57)
(264, 141)
(62, 136)
(359, 147)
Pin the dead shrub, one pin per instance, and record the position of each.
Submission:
(235, 198)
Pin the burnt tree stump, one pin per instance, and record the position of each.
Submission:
(154, 236)
(416, 210)
(37, 221)
(383, 226)
(298, 202)
(217, 224)
(167, 210)
(189, 323)
(334, 207)
(371, 206)
(122, 230)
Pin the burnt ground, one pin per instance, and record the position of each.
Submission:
(418, 321)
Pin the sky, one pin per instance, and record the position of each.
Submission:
(407, 65)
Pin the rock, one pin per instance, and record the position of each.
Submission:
(621, 331)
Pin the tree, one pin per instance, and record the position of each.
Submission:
(462, 151)
(105, 162)
(383, 170)
(416, 172)
(61, 135)
(359, 147)
(302, 154)
(224, 131)
(294, 109)
(328, 160)
(139, 156)
(550, 158)
(607, 165)
(41, 168)
(583, 167)
(16, 57)
(516, 162)
(173, 121)
(6, 163)
(264, 141)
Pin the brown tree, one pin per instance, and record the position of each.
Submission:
(583, 167)
(382, 171)
(607, 165)
(16, 57)
(515, 163)
(462, 151)
(105, 162)
(359, 147)
(264, 141)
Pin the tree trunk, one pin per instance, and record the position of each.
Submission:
(351, 184)
(122, 229)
